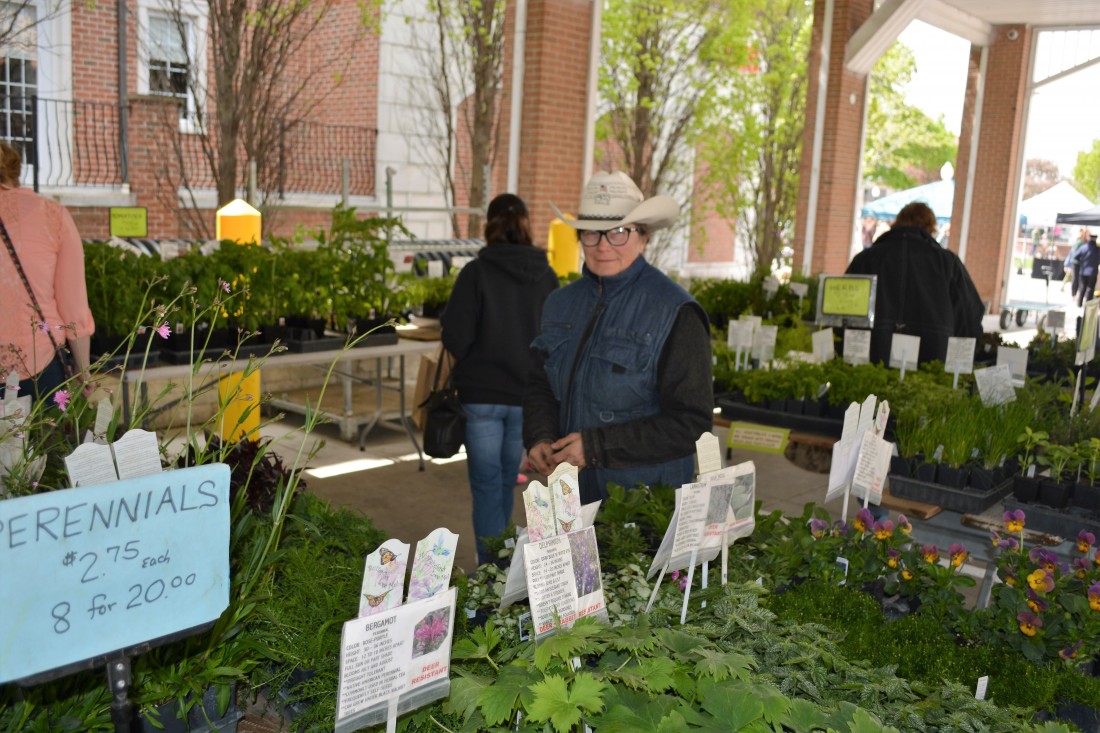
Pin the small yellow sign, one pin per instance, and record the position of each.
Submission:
(846, 296)
(750, 436)
(129, 221)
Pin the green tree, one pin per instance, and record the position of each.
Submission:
(752, 147)
(461, 45)
(661, 66)
(1086, 174)
(903, 146)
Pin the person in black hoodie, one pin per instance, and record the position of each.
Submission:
(489, 323)
(923, 289)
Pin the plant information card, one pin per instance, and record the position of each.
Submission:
(857, 346)
(399, 659)
(89, 571)
(515, 585)
(563, 580)
(995, 385)
(710, 514)
(384, 578)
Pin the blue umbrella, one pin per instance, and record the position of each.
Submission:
(939, 195)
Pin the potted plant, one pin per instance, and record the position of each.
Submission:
(1055, 491)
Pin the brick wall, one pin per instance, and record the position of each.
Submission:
(344, 93)
(552, 151)
(996, 173)
(844, 102)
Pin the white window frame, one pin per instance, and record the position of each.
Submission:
(196, 14)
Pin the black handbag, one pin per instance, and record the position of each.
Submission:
(445, 420)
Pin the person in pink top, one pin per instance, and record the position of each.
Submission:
(49, 258)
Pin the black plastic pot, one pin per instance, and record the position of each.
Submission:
(1025, 489)
(1087, 497)
(1054, 494)
(926, 472)
(793, 406)
(813, 408)
(981, 478)
(201, 718)
(951, 476)
(901, 466)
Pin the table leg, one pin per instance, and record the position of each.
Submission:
(405, 421)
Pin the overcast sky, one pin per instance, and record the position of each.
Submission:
(1064, 117)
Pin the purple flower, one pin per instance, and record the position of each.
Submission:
(1081, 566)
(43, 327)
(1043, 558)
(163, 330)
(1014, 520)
(1070, 652)
(1085, 540)
(818, 527)
(223, 285)
(904, 525)
(1029, 623)
(864, 519)
(1008, 543)
(61, 398)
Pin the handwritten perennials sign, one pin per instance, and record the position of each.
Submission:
(402, 654)
(87, 571)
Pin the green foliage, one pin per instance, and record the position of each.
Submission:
(753, 139)
(1086, 173)
(903, 147)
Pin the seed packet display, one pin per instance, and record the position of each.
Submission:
(395, 661)
(563, 579)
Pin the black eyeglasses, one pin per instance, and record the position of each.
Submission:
(616, 237)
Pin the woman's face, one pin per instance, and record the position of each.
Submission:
(606, 260)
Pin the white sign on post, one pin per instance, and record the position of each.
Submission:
(960, 355)
(1016, 359)
(995, 385)
(89, 571)
(904, 351)
(395, 662)
(823, 345)
(763, 345)
(563, 579)
(857, 346)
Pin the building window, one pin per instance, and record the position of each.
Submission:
(18, 77)
(171, 53)
(169, 67)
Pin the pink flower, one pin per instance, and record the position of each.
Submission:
(163, 330)
(61, 398)
(223, 285)
(43, 327)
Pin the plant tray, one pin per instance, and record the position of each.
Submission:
(201, 718)
(244, 352)
(379, 339)
(964, 501)
(328, 343)
(1065, 523)
(733, 410)
(121, 361)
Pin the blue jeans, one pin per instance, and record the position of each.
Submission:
(494, 447)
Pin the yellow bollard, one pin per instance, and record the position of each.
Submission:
(240, 416)
(563, 248)
(239, 222)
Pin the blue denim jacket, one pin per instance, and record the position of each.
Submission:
(620, 325)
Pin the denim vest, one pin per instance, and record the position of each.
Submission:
(620, 325)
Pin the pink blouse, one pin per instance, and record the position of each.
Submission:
(52, 255)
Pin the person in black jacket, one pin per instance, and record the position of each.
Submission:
(1086, 262)
(489, 323)
(923, 289)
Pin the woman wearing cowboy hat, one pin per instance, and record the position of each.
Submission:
(621, 386)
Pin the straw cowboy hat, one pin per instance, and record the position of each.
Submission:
(612, 200)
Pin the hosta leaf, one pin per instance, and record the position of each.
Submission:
(678, 642)
(864, 722)
(803, 715)
(498, 700)
(478, 645)
(556, 702)
(722, 665)
(465, 688)
(732, 703)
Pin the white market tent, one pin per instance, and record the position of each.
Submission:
(1042, 209)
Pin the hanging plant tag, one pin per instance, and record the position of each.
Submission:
(384, 578)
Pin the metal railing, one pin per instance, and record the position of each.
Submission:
(70, 143)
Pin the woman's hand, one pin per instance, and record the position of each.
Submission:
(540, 456)
(569, 449)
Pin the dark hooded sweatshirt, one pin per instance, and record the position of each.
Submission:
(923, 290)
(491, 319)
